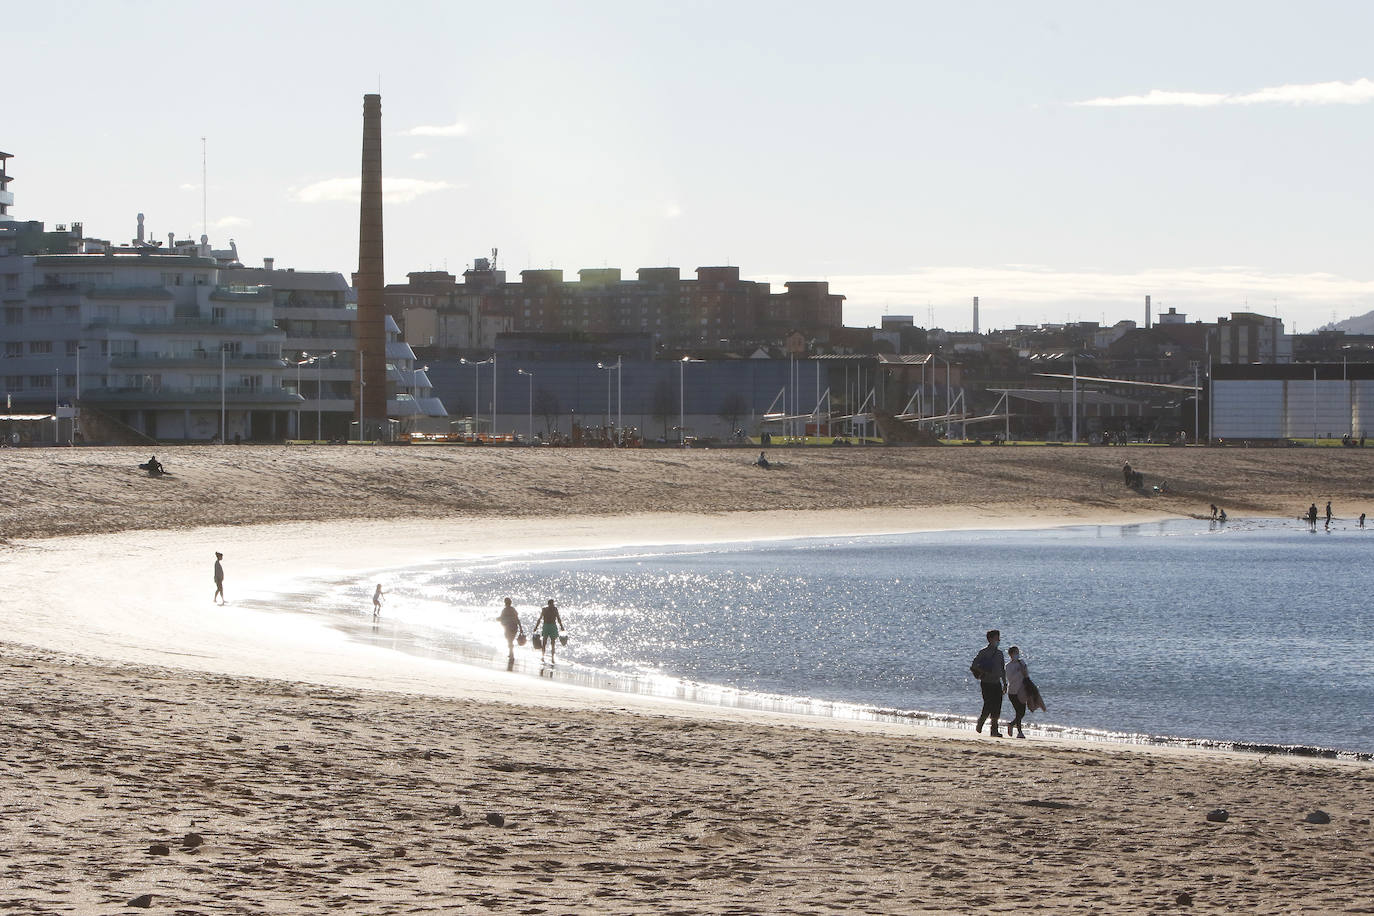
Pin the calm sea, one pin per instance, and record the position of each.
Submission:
(1255, 632)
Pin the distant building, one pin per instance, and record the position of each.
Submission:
(434, 309)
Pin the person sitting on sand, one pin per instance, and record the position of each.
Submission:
(762, 462)
(549, 624)
(510, 620)
(152, 466)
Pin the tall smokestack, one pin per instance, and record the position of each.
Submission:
(371, 326)
(1147, 312)
(975, 314)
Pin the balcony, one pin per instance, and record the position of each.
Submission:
(205, 359)
(241, 293)
(181, 325)
(234, 395)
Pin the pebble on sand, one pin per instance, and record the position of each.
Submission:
(159, 849)
(1183, 898)
(496, 820)
(1217, 815)
(1318, 817)
(142, 900)
(192, 840)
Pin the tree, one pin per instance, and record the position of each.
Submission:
(732, 409)
(664, 405)
(547, 406)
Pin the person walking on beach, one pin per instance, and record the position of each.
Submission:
(219, 578)
(510, 620)
(377, 601)
(1017, 676)
(549, 625)
(1312, 516)
(990, 667)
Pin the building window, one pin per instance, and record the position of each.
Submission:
(151, 314)
(11, 281)
(40, 346)
(71, 314)
(13, 348)
(71, 347)
(14, 382)
(41, 314)
(14, 315)
(40, 381)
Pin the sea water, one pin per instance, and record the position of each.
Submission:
(1252, 632)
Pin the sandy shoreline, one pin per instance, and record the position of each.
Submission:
(324, 773)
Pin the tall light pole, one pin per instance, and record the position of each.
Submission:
(362, 385)
(56, 405)
(493, 394)
(319, 397)
(76, 404)
(682, 398)
(608, 367)
(531, 376)
(1197, 395)
(222, 424)
(477, 389)
(301, 360)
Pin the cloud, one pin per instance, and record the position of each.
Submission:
(187, 186)
(456, 129)
(420, 154)
(394, 190)
(1336, 93)
(231, 222)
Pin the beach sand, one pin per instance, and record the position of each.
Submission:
(321, 773)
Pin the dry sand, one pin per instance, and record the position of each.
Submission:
(323, 774)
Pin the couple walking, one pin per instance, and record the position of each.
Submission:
(548, 625)
(998, 677)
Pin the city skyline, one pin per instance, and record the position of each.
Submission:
(1060, 162)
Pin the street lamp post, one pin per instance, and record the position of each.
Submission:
(76, 404)
(222, 423)
(302, 360)
(608, 367)
(477, 390)
(531, 377)
(682, 398)
(56, 405)
(362, 386)
(319, 397)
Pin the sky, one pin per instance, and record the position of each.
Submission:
(1059, 160)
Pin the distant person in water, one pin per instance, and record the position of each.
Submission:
(377, 601)
(510, 621)
(1328, 514)
(990, 667)
(549, 624)
(1214, 510)
(1361, 519)
(1312, 516)
(219, 578)
(1222, 516)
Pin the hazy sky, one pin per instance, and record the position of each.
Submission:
(1059, 160)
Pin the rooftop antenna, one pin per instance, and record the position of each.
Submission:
(204, 230)
(493, 259)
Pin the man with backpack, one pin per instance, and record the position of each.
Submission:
(990, 668)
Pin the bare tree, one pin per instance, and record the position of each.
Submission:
(664, 405)
(732, 409)
(547, 406)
